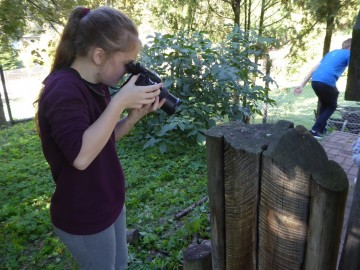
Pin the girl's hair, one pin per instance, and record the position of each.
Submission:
(346, 44)
(104, 27)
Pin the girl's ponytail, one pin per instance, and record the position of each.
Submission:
(103, 27)
(66, 50)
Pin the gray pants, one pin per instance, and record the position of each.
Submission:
(106, 250)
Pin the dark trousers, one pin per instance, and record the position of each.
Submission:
(328, 96)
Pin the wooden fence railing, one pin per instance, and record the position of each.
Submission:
(350, 259)
(276, 201)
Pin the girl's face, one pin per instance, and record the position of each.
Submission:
(114, 67)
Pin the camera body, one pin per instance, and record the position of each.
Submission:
(149, 77)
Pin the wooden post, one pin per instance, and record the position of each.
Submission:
(2, 113)
(290, 209)
(197, 257)
(241, 199)
(233, 193)
(215, 163)
(352, 91)
(283, 199)
(132, 236)
(350, 259)
(6, 94)
(329, 191)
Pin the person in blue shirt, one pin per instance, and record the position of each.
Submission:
(323, 77)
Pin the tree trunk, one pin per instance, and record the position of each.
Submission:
(197, 257)
(2, 113)
(283, 200)
(330, 24)
(246, 26)
(6, 95)
(261, 19)
(249, 14)
(235, 4)
(215, 163)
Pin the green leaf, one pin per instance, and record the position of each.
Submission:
(167, 128)
(163, 148)
(200, 138)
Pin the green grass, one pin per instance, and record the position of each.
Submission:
(26, 237)
(300, 109)
(157, 187)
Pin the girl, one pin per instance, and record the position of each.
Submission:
(78, 126)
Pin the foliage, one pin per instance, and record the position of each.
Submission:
(11, 29)
(293, 23)
(207, 78)
(343, 10)
(335, 15)
(157, 187)
(19, 18)
(9, 60)
(191, 15)
(26, 186)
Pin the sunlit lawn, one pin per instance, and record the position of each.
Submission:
(301, 109)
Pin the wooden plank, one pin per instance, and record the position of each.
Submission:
(300, 225)
(350, 259)
(241, 200)
(276, 200)
(353, 80)
(283, 216)
(329, 190)
(284, 203)
(215, 163)
(242, 148)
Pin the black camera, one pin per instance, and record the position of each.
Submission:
(149, 77)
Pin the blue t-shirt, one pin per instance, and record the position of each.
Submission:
(331, 67)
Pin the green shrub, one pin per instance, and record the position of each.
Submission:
(216, 82)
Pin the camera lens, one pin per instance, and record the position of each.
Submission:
(171, 102)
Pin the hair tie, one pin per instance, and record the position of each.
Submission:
(84, 12)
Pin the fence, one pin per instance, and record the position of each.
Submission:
(22, 89)
(276, 200)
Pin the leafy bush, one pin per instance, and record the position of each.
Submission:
(158, 186)
(9, 59)
(216, 82)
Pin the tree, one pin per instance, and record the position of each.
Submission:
(12, 27)
(20, 17)
(335, 14)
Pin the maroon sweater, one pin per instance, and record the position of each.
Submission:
(87, 201)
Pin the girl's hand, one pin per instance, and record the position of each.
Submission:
(138, 113)
(132, 96)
